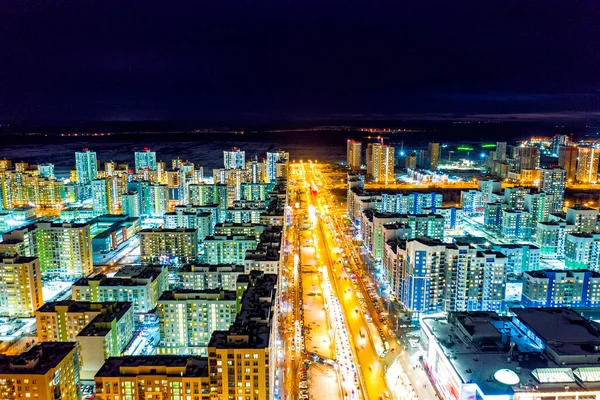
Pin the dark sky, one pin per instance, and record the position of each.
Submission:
(236, 60)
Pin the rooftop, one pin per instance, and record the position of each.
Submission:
(219, 268)
(205, 294)
(38, 360)
(155, 365)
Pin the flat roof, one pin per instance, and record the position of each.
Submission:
(559, 325)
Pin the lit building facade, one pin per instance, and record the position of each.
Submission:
(145, 160)
(47, 371)
(353, 154)
(64, 249)
(587, 164)
(139, 285)
(380, 163)
(187, 319)
(226, 249)
(169, 245)
(561, 288)
(553, 181)
(20, 286)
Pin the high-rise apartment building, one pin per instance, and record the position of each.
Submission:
(20, 286)
(429, 276)
(380, 163)
(234, 158)
(550, 237)
(567, 160)
(46, 170)
(241, 360)
(169, 245)
(584, 219)
(206, 276)
(130, 203)
(103, 196)
(559, 141)
(145, 160)
(187, 319)
(47, 371)
(64, 249)
(353, 154)
(553, 181)
(500, 153)
(587, 164)
(434, 155)
(139, 285)
(561, 288)
(226, 249)
(102, 329)
(582, 250)
(526, 158)
(274, 159)
(86, 165)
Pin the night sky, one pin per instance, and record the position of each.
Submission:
(237, 60)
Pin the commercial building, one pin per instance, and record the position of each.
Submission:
(537, 354)
(167, 246)
(139, 285)
(64, 249)
(561, 288)
(47, 371)
(353, 154)
(206, 276)
(20, 286)
(187, 319)
(110, 231)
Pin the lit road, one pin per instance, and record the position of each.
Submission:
(363, 334)
(363, 307)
